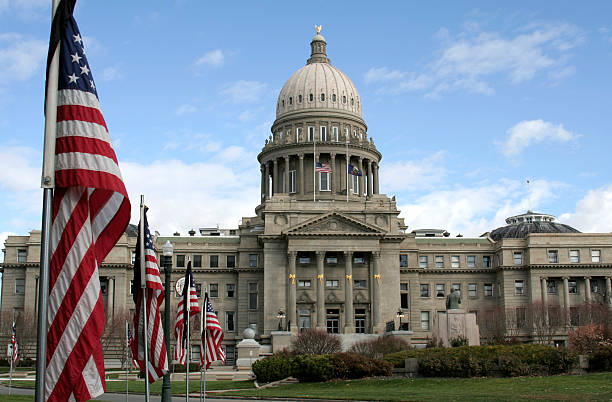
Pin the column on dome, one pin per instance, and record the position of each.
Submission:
(376, 181)
(370, 178)
(275, 181)
(362, 177)
(333, 174)
(267, 180)
(349, 320)
(262, 169)
(286, 189)
(291, 296)
(375, 281)
(320, 291)
(302, 189)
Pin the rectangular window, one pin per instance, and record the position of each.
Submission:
(355, 184)
(553, 256)
(333, 321)
(332, 283)
(360, 284)
(595, 255)
(335, 133)
(456, 287)
(214, 261)
(133, 257)
(180, 260)
(323, 133)
(229, 321)
(488, 290)
(422, 261)
(305, 283)
(304, 260)
(214, 290)
(253, 260)
(230, 290)
(404, 295)
(439, 261)
(253, 296)
(195, 352)
(440, 290)
(22, 255)
(424, 289)
(518, 258)
(324, 181)
(574, 316)
(20, 286)
(360, 320)
(358, 260)
(292, 176)
(425, 320)
(198, 289)
(304, 320)
(197, 261)
(471, 261)
(298, 134)
(310, 133)
(486, 261)
(574, 256)
(521, 317)
(551, 286)
(230, 261)
(519, 287)
(472, 290)
(572, 286)
(594, 286)
(331, 260)
(403, 260)
(454, 261)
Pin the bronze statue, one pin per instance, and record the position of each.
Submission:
(453, 300)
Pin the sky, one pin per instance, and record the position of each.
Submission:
(466, 101)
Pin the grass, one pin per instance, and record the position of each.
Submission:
(16, 398)
(589, 387)
(4, 369)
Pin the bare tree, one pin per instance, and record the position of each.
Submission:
(316, 342)
(492, 325)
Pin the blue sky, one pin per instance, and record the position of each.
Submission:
(465, 100)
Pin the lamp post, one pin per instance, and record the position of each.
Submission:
(281, 314)
(400, 315)
(167, 250)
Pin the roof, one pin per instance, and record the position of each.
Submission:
(522, 229)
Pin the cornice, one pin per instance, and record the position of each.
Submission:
(448, 271)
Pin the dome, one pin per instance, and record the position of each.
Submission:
(319, 85)
(520, 226)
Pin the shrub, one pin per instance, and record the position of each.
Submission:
(316, 342)
(380, 346)
(601, 360)
(459, 341)
(272, 368)
(312, 368)
(586, 339)
(350, 366)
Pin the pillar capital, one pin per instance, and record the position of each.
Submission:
(292, 254)
(286, 157)
(586, 277)
(301, 156)
(348, 253)
(333, 154)
(565, 278)
(543, 278)
(376, 255)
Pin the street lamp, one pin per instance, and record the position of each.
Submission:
(280, 316)
(400, 315)
(167, 250)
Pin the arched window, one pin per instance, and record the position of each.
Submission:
(291, 100)
(352, 101)
(333, 97)
(311, 97)
(283, 102)
(343, 98)
(299, 98)
(322, 97)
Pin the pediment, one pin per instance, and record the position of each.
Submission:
(304, 298)
(334, 223)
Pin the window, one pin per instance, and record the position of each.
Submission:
(323, 133)
(133, 257)
(232, 232)
(230, 261)
(404, 295)
(403, 260)
(440, 290)
(132, 286)
(574, 256)
(486, 261)
(518, 258)
(488, 290)
(104, 286)
(291, 100)
(553, 256)
(333, 97)
(229, 321)
(358, 260)
(20, 286)
(332, 283)
(454, 261)
(304, 320)
(422, 261)
(355, 184)
(252, 296)
(471, 261)
(472, 290)
(574, 316)
(360, 283)
(456, 287)
(180, 260)
(22, 255)
(333, 320)
(298, 133)
(324, 181)
(551, 286)
(306, 283)
(253, 260)
(594, 286)
(360, 320)
(595, 255)
(292, 176)
(425, 320)
(195, 352)
(521, 317)
(311, 97)
(299, 98)
(572, 286)
(322, 97)
(214, 290)
(424, 289)
(439, 261)
(304, 260)
(519, 287)
(197, 261)
(230, 290)
(343, 98)
(198, 289)
(310, 133)
(335, 133)
(331, 260)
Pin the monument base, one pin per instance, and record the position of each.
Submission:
(456, 323)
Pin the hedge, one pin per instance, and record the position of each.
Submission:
(601, 360)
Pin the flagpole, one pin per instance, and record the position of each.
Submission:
(143, 289)
(204, 338)
(127, 362)
(202, 312)
(347, 170)
(314, 166)
(11, 373)
(188, 289)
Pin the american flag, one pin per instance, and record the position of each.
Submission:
(323, 167)
(213, 336)
(156, 341)
(14, 343)
(188, 306)
(130, 340)
(91, 210)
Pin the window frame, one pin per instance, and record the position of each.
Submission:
(305, 283)
(327, 176)
(440, 289)
(213, 287)
(424, 290)
(425, 321)
(471, 261)
(334, 134)
(230, 317)
(473, 290)
(403, 260)
(488, 262)
(596, 255)
(360, 284)
(214, 260)
(22, 255)
(551, 286)
(487, 289)
(455, 261)
(574, 259)
(253, 260)
(230, 287)
(17, 286)
(519, 290)
(553, 256)
(323, 133)
(332, 283)
(517, 257)
(180, 261)
(292, 181)
(227, 261)
(311, 131)
(423, 261)
(253, 291)
(572, 287)
(439, 261)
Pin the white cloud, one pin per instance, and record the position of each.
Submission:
(244, 91)
(214, 58)
(413, 175)
(112, 73)
(20, 57)
(246, 115)
(529, 132)
(593, 212)
(382, 74)
(185, 109)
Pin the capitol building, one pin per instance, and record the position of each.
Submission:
(325, 249)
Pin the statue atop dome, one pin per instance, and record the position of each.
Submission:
(318, 28)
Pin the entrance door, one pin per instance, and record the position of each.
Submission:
(333, 320)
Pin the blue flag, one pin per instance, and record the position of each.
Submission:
(354, 170)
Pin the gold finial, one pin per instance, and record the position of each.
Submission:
(318, 28)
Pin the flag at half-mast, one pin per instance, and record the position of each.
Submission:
(323, 167)
(354, 170)
(188, 306)
(15, 354)
(156, 341)
(90, 212)
(212, 338)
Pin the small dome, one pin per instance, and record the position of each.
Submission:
(520, 226)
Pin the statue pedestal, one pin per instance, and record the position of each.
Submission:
(454, 323)
(247, 350)
(281, 340)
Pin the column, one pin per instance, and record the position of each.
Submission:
(376, 190)
(544, 290)
(375, 281)
(608, 291)
(320, 291)
(370, 178)
(275, 188)
(263, 182)
(334, 173)
(587, 289)
(566, 299)
(349, 319)
(110, 297)
(362, 177)
(291, 297)
(267, 180)
(302, 189)
(286, 189)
